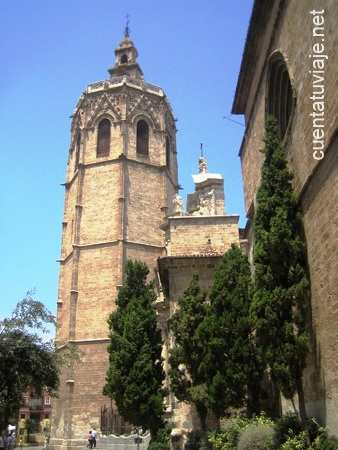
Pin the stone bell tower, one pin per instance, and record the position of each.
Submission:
(121, 179)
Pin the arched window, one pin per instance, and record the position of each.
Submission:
(77, 150)
(103, 138)
(167, 151)
(142, 145)
(124, 59)
(280, 93)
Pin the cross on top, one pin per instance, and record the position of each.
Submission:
(127, 29)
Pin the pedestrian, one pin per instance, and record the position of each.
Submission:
(2, 441)
(9, 442)
(94, 437)
(90, 440)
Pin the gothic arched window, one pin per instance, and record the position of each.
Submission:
(103, 138)
(280, 100)
(142, 145)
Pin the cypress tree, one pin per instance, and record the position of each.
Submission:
(135, 375)
(281, 286)
(231, 364)
(186, 380)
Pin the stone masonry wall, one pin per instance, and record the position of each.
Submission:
(192, 235)
(315, 181)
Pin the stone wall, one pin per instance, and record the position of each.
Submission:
(289, 29)
(202, 235)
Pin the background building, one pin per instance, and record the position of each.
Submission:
(289, 69)
(37, 409)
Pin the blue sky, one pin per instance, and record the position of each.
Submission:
(50, 51)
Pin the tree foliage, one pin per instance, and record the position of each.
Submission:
(281, 297)
(231, 364)
(29, 426)
(187, 380)
(27, 361)
(135, 375)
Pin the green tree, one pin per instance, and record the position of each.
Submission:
(231, 364)
(281, 285)
(187, 380)
(135, 375)
(27, 361)
(29, 426)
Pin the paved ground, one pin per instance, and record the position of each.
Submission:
(28, 446)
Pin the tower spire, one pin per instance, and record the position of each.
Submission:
(126, 55)
(127, 29)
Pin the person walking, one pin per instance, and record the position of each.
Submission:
(94, 438)
(9, 442)
(90, 440)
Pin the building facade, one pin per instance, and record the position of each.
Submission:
(122, 202)
(289, 69)
(38, 409)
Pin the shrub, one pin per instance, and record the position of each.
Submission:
(228, 438)
(162, 441)
(285, 428)
(261, 433)
(256, 437)
(325, 442)
(295, 442)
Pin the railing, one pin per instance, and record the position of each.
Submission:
(124, 80)
(131, 442)
(36, 407)
(112, 422)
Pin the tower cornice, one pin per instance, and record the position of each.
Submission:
(115, 86)
(125, 80)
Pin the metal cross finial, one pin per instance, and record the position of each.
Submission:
(201, 150)
(127, 29)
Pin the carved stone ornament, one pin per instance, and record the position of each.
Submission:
(206, 206)
(178, 208)
(140, 104)
(104, 104)
(203, 168)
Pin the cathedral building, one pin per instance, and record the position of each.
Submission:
(122, 202)
(289, 70)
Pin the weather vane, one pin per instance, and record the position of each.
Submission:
(127, 29)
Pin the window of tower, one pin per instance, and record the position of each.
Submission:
(124, 59)
(103, 138)
(142, 145)
(167, 151)
(280, 98)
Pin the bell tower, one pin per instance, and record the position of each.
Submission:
(120, 182)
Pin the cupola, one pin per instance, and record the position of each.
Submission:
(126, 55)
